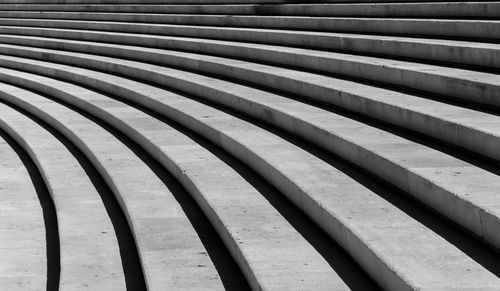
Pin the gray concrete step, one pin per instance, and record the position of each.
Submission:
(454, 83)
(432, 9)
(85, 229)
(356, 114)
(169, 248)
(397, 160)
(466, 128)
(279, 50)
(447, 28)
(366, 233)
(211, 2)
(167, 244)
(23, 246)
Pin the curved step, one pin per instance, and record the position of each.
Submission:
(361, 228)
(457, 84)
(169, 247)
(234, 217)
(440, 9)
(449, 28)
(23, 247)
(226, 41)
(443, 182)
(469, 129)
(211, 2)
(85, 229)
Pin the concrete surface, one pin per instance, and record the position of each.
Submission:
(90, 255)
(233, 207)
(267, 155)
(439, 9)
(265, 145)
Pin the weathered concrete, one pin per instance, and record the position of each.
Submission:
(397, 160)
(470, 129)
(439, 9)
(133, 95)
(90, 256)
(169, 247)
(471, 86)
(243, 217)
(477, 29)
(283, 164)
(22, 233)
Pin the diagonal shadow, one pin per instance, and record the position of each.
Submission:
(134, 278)
(48, 211)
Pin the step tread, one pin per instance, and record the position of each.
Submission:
(450, 123)
(374, 149)
(455, 28)
(84, 232)
(272, 233)
(454, 51)
(436, 9)
(23, 245)
(280, 158)
(170, 249)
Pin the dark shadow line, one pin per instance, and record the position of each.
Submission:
(52, 247)
(134, 278)
(230, 273)
(340, 261)
(227, 268)
(470, 244)
(453, 233)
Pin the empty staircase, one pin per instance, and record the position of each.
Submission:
(249, 145)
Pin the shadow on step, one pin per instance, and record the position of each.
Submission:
(348, 270)
(231, 276)
(467, 243)
(339, 260)
(134, 278)
(48, 211)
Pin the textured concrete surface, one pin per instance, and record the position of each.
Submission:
(90, 256)
(433, 118)
(440, 9)
(22, 241)
(264, 144)
(267, 155)
(168, 245)
(225, 197)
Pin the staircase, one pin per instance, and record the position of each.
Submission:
(249, 145)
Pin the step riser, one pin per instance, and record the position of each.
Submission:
(227, 226)
(477, 10)
(378, 121)
(489, 30)
(470, 217)
(336, 229)
(464, 55)
(281, 182)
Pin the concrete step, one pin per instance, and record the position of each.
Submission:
(169, 248)
(245, 44)
(469, 129)
(397, 160)
(261, 144)
(233, 216)
(447, 28)
(210, 2)
(24, 250)
(431, 9)
(85, 229)
(365, 232)
(454, 83)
